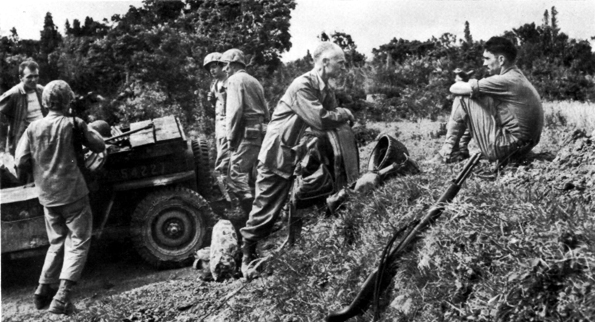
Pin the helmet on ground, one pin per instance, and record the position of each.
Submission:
(233, 55)
(101, 127)
(389, 150)
(211, 58)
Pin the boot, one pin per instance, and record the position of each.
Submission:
(248, 255)
(61, 303)
(450, 149)
(464, 145)
(43, 296)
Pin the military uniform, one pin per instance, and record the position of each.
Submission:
(246, 115)
(504, 114)
(308, 102)
(219, 96)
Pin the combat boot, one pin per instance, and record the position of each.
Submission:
(61, 303)
(450, 148)
(248, 255)
(43, 296)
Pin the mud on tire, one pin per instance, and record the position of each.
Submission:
(204, 180)
(169, 225)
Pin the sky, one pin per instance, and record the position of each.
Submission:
(371, 23)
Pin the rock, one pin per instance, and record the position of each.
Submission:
(224, 251)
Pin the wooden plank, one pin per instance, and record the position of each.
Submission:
(166, 128)
(20, 193)
(143, 137)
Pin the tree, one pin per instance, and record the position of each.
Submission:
(50, 40)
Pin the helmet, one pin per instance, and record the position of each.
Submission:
(389, 150)
(233, 55)
(211, 58)
(102, 128)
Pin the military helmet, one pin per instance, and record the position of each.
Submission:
(101, 127)
(211, 58)
(389, 150)
(233, 55)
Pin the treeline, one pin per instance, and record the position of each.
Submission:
(148, 62)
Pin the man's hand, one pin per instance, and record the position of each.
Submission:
(347, 113)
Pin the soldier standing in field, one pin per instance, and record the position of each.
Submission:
(246, 117)
(503, 111)
(308, 102)
(217, 97)
(47, 150)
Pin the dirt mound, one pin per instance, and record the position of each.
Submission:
(571, 172)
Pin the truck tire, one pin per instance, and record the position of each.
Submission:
(168, 226)
(204, 180)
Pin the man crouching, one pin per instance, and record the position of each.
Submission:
(47, 149)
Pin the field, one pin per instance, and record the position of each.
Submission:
(517, 247)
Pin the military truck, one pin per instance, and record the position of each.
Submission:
(151, 179)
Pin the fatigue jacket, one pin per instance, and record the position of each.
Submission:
(219, 103)
(13, 106)
(245, 105)
(308, 102)
(522, 115)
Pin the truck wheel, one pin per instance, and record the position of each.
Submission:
(204, 181)
(169, 225)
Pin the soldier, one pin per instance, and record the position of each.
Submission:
(308, 102)
(246, 118)
(22, 105)
(47, 149)
(503, 111)
(217, 97)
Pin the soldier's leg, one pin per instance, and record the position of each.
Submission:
(57, 231)
(455, 129)
(80, 224)
(242, 161)
(271, 194)
(484, 121)
(222, 160)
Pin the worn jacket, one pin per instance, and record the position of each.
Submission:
(219, 97)
(308, 102)
(522, 114)
(245, 103)
(13, 106)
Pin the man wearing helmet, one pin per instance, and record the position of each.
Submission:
(246, 114)
(308, 102)
(47, 150)
(216, 97)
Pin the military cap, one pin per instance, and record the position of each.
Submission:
(211, 58)
(233, 55)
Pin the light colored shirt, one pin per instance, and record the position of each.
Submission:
(33, 108)
(523, 112)
(48, 144)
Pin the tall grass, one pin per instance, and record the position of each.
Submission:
(570, 113)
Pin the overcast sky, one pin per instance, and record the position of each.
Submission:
(371, 23)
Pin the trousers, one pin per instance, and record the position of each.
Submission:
(222, 160)
(482, 117)
(242, 161)
(272, 191)
(69, 228)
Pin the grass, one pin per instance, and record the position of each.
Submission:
(514, 249)
(573, 114)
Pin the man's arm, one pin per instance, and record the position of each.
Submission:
(93, 140)
(461, 88)
(234, 112)
(307, 106)
(23, 160)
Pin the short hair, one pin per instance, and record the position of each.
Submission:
(325, 47)
(501, 46)
(32, 65)
(57, 95)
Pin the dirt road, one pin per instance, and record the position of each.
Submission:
(113, 267)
